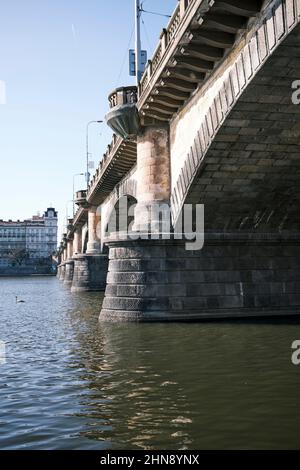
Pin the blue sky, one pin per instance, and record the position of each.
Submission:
(60, 59)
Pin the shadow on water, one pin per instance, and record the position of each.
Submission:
(70, 382)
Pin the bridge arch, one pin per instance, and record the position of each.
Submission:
(124, 194)
(85, 239)
(121, 216)
(244, 162)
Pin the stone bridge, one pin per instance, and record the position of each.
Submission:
(212, 123)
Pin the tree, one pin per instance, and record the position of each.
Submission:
(17, 256)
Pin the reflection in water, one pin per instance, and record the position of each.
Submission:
(72, 383)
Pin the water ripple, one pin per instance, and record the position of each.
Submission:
(70, 383)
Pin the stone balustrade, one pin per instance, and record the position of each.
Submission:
(80, 197)
(166, 39)
(118, 159)
(122, 96)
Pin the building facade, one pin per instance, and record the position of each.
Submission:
(28, 242)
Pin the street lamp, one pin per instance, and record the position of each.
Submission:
(74, 176)
(67, 211)
(87, 150)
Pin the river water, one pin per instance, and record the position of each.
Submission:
(68, 382)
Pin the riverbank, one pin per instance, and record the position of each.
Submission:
(23, 271)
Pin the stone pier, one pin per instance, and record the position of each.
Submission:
(236, 275)
(69, 270)
(90, 268)
(90, 271)
(62, 271)
(129, 295)
(58, 274)
(69, 264)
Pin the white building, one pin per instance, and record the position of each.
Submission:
(29, 241)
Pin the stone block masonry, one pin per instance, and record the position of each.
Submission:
(235, 275)
(69, 271)
(62, 271)
(90, 273)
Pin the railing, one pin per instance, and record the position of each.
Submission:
(173, 25)
(80, 196)
(123, 95)
(166, 39)
(106, 156)
(129, 95)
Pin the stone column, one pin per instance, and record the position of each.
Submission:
(138, 278)
(90, 268)
(93, 246)
(69, 249)
(69, 264)
(63, 264)
(77, 242)
(153, 176)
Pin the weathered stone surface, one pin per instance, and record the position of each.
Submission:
(153, 175)
(234, 275)
(249, 177)
(93, 246)
(69, 271)
(90, 273)
(62, 271)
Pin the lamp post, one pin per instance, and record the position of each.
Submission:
(138, 66)
(74, 176)
(87, 150)
(67, 212)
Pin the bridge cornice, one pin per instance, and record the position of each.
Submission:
(80, 218)
(198, 38)
(116, 163)
(170, 38)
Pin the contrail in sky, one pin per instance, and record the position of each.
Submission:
(74, 32)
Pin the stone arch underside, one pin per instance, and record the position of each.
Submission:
(244, 163)
(85, 241)
(250, 176)
(125, 192)
(121, 216)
